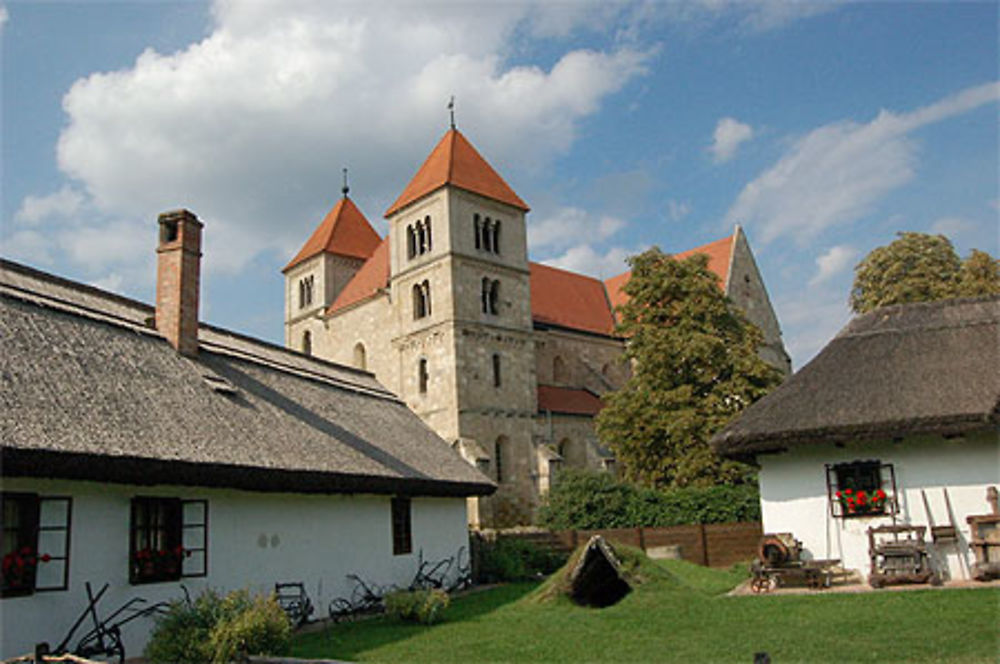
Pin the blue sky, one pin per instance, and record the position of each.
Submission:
(822, 128)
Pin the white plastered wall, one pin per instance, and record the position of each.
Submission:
(794, 494)
(254, 539)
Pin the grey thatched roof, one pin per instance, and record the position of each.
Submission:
(919, 368)
(88, 390)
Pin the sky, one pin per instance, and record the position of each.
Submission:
(823, 129)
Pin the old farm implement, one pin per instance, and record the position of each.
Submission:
(780, 563)
(104, 638)
(899, 555)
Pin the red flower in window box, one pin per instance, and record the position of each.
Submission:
(862, 502)
(18, 568)
(153, 563)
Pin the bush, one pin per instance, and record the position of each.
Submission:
(214, 628)
(422, 606)
(513, 559)
(585, 500)
(262, 628)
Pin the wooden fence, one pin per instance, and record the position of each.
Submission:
(711, 545)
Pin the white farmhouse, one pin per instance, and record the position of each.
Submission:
(144, 451)
(905, 402)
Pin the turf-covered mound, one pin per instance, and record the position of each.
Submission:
(599, 574)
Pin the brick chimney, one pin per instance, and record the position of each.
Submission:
(178, 265)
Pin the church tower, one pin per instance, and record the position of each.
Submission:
(459, 281)
(324, 265)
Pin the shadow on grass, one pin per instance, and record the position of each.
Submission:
(350, 639)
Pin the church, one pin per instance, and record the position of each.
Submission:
(505, 358)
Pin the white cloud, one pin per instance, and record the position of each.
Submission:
(838, 172)
(63, 203)
(585, 260)
(952, 227)
(249, 127)
(567, 225)
(728, 136)
(833, 262)
(678, 210)
(4, 17)
(809, 321)
(28, 246)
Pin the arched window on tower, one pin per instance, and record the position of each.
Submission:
(426, 287)
(360, 357)
(495, 297)
(420, 308)
(307, 344)
(488, 235)
(422, 376)
(411, 242)
(427, 230)
(558, 370)
(496, 237)
(499, 457)
(421, 238)
(476, 224)
(491, 296)
(496, 370)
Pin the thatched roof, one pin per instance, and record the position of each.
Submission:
(909, 369)
(91, 391)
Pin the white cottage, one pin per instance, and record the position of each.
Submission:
(903, 406)
(144, 451)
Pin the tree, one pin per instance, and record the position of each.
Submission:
(918, 267)
(980, 275)
(695, 366)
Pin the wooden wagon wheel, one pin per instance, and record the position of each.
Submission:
(763, 584)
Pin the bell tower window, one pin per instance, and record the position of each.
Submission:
(496, 370)
(422, 376)
(418, 238)
(421, 299)
(491, 296)
(306, 291)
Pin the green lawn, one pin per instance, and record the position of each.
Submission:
(684, 618)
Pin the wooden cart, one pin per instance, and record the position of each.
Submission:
(780, 562)
(817, 574)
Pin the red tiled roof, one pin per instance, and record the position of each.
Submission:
(719, 254)
(373, 276)
(344, 231)
(568, 400)
(569, 300)
(454, 161)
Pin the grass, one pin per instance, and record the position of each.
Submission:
(682, 616)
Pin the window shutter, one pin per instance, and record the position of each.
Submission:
(836, 508)
(54, 518)
(194, 537)
(887, 474)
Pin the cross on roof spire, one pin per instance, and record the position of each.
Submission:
(345, 189)
(451, 110)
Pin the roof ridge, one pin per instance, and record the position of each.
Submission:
(41, 299)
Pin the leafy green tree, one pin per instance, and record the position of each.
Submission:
(695, 366)
(980, 275)
(918, 267)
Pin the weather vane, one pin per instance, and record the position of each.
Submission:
(345, 188)
(451, 110)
